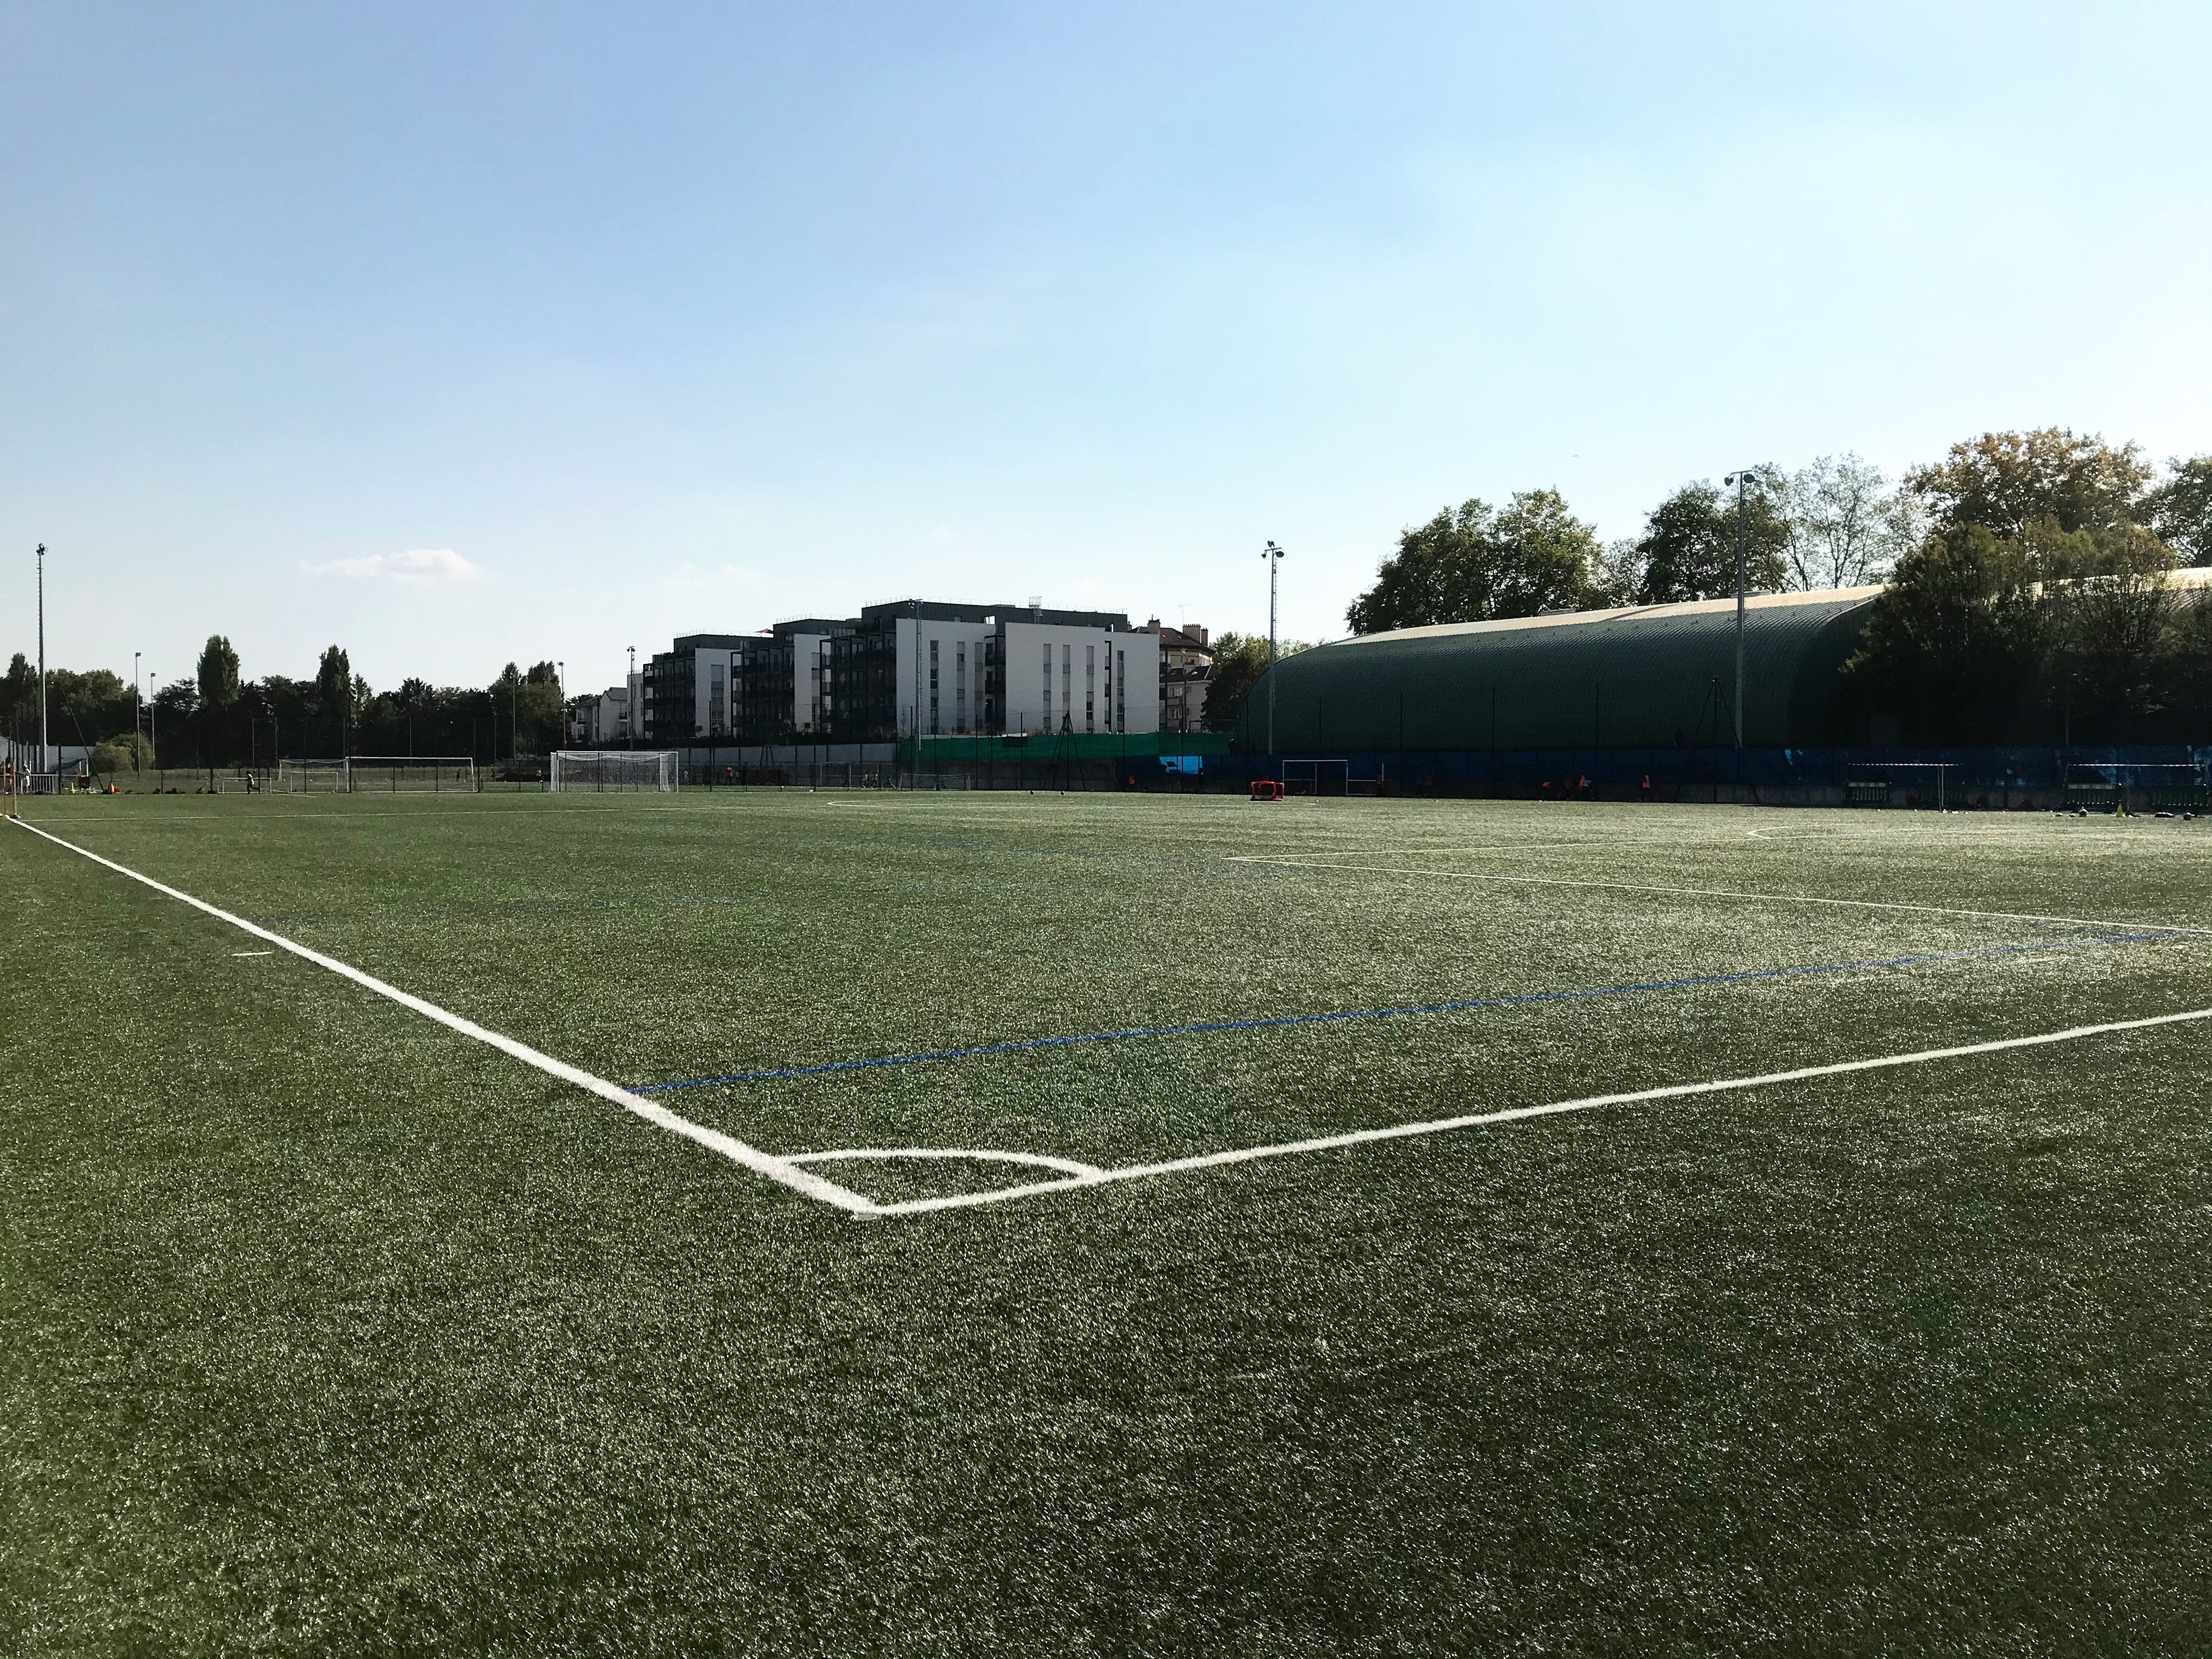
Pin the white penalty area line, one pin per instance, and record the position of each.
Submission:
(1514, 1114)
(1707, 892)
(760, 1163)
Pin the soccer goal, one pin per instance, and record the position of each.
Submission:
(594, 770)
(1871, 783)
(2103, 786)
(311, 777)
(411, 774)
(1316, 777)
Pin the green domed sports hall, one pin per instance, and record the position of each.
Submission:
(1645, 676)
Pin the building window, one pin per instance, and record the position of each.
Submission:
(933, 687)
(1121, 690)
(1067, 688)
(717, 698)
(960, 686)
(1047, 685)
(1089, 687)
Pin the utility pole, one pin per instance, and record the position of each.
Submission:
(1742, 481)
(636, 698)
(42, 659)
(561, 681)
(135, 768)
(1273, 556)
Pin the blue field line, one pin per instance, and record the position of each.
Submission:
(1461, 1006)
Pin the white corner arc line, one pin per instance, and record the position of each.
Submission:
(760, 1163)
(862, 1154)
(1472, 1120)
(1720, 892)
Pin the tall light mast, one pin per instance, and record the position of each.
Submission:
(1273, 556)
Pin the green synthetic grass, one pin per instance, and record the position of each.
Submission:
(333, 1331)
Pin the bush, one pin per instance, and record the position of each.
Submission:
(112, 759)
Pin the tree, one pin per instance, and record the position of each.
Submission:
(1688, 546)
(1953, 642)
(1239, 660)
(1847, 527)
(218, 673)
(2010, 480)
(1475, 564)
(334, 704)
(2180, 509)
(1617, 577)
(2108, 600)
(21, 689)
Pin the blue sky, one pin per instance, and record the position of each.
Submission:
(460, 334)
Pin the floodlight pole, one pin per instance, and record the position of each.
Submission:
(1273, 556)
(135, 768)
(42, 659)
(633, 693)
(1740, 480)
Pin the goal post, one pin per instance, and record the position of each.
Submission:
(580, 771)
(2103, 786)
(1869, 783)
(311, 777)
(411, 774)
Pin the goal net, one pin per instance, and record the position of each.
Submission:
(596, 769)
(311, 777)
(415, 775)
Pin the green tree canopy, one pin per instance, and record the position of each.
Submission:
(21, 689)
(1239, 660)
(2011, 480)
(1474, 564)
(1847, 525)
(334, 681)
(1687, 549)
(217, 674)
(1956, 636)
(2180, 509)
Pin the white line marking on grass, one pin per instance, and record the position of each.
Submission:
(760, 1163)
(862, 1154)
(253, 953)
(1513, 1114)
(1719, 892)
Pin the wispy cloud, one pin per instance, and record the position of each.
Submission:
(417, 567)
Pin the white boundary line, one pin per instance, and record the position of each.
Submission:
(862, 1154)
(1707, 892)
(760, 1163)
(785, 1171)
(1439, 1125)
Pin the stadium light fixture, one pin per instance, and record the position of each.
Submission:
(1273, 556)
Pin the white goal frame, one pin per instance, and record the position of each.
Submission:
(411, 774)
(579, 771)
(313, 777)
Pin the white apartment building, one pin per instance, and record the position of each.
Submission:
(910, 667)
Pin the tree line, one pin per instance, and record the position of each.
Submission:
(214, 717)
(2030, 593)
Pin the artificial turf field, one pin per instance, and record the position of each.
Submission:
(330, 1329)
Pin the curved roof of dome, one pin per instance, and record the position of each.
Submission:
(1641, 676)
